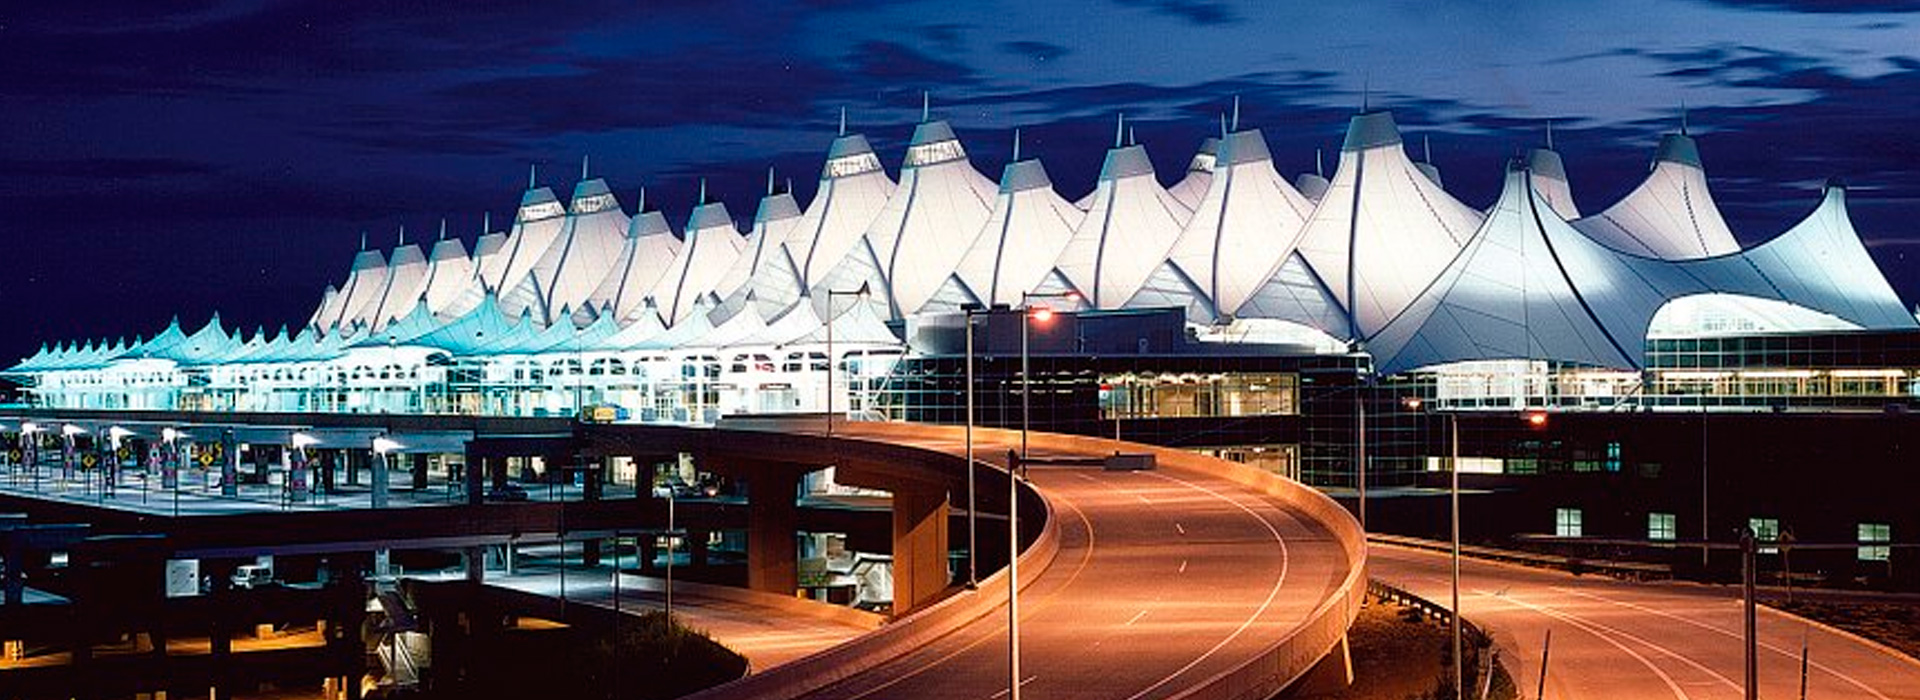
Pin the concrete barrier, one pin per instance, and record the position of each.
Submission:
(785, 604)
(819, 670)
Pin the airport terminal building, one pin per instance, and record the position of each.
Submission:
(1309, 324)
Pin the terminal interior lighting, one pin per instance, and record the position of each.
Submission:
(383, 445)
(1537, 419)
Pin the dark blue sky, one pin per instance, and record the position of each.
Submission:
(226, 155)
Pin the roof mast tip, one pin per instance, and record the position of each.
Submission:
(1016, 144)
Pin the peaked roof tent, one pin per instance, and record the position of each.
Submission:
(582, 254)
(1199, 178)
(1029, 225)
(1383, 231)
(1575, 300)
(1245, 228)
(359, 298)
(450, 278)
(535, 227)
(1550, 179)
(931, 218)
(1671, 215)
(645, 256)
(1131, 225)
(712, 246)
(853, 190)
(406, 281)
(765, 269)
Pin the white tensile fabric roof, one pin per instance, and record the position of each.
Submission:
(535, 226)
(1549, 175)
(450, 278)
(829, 245)
(1530, 286)
(1671, 215)
(1129, 228)
(765, 271)
(1199, 179)
(646, 256)
(1029, 225)
(1245, 227)
(932, 217)
(711, 247)
(1383, 231)
(582, 254)
(406, 281)
(361, 293)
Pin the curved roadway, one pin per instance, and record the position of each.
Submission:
(1163, 580)
(1614, 639)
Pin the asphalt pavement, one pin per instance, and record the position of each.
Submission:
(1622, 640)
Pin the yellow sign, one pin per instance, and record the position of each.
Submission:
(206, 458)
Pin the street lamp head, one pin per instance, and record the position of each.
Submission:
(1537, 419)
(1043, 313)
(29, 428)
(71, 430)
(302, 440)
(384, 445)
(1412, 404)
(169, 434)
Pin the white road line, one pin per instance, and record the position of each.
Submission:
(1136, 618)
(1791, 654)
(1285, 562)
(1589, 629)
(1181, 530)
(1003, 693)
(1183, 566)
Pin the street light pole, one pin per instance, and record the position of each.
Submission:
(973, 541)
(864, 289)
(1027, 316)
(1453, 471)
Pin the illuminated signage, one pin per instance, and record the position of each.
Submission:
(543, 210)
(936, 152)
(855, 164)
(595, 203)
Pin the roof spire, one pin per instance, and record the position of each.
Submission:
(403, 235)
(1426, 144)
(843, 120)
(1130, 140)
(1549, 134)
(769, 181)
(1016, 144)
(1120, 130)
(486, 222)
(533, 170)
(583, 166)
(443, 228)
(1366, 90)
(703, 190)
(926, 105)
(789, 185)
(363, 240)
(642, 205)
(1236, 112)
(1223, 125)
(1318, 169)
(1683, 117)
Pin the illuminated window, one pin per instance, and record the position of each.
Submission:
(1873, 541)
(1661, 527)
(1765, 530)
(1566, 522)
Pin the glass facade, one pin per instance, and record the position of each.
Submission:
(1567, 522)
(1662, 527)
(1874, 541)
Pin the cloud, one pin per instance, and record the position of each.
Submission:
(1036, 50)
(105, 168)
(892, 62)
(1200, 12)
(1825, 6)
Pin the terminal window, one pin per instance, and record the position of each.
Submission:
(1874, 539)
(1188, 395)
(1661, 526)
(1566, 522)
(1765, 530)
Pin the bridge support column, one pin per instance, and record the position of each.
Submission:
(419, 471)
(772, 521)
(919, 547)
(1332, 673)
(476, 561)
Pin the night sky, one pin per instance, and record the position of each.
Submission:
(226, 156)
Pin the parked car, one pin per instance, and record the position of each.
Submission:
(252, 576)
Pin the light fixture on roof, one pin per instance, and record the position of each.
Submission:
(383, 445)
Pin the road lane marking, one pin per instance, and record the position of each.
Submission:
(1783, 652)
(1285, 562)
(1589, 629)
(1177, 528)
(1003, 692)
(1136, 618)
(998, 631)
(1183, 566)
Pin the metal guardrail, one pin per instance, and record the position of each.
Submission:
(1481, 641)
(1624, 569)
